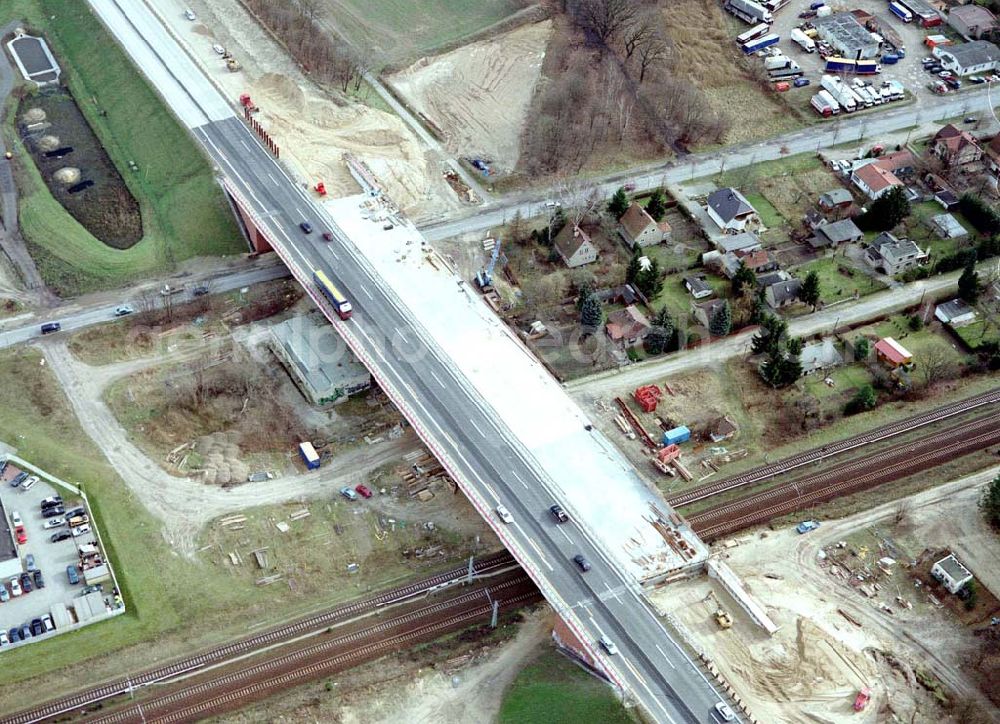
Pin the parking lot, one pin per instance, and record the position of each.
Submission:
(907, 71)
(29, 556)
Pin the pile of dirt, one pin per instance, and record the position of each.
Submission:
(479, 94)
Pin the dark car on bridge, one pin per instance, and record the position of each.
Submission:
(582, 563)
(306, 227)
(558, 513)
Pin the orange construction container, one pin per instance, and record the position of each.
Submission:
(781, 87)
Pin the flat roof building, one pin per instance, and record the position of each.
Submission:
(322, 366)
(848, 37)
(952, 574)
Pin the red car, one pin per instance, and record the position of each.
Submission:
(363, 491)
(22, 537)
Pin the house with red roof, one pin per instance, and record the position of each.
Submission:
(892, 353)
(873, 180)
(955, 146)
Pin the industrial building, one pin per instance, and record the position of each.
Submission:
(847, 36)
(979, 56)
(972, 21)
(313, 353)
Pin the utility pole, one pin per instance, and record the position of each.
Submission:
(496, 611)
(469, 580)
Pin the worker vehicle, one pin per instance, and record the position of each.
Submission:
(78, 520)
(189, 14)
(333, 294)
(558, 513)
(748, 11)
(760, 43)
(755, 32)
(723, 710)
(900, 12)
(582, 563)
(504, 514)
(609, 646)
(50, 327)
(348, 493)
(723, 618)
(71, 575)
(364, 491)
(803, 41)
(806, 526)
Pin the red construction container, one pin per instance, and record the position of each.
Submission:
(648, 396)
(668, 454)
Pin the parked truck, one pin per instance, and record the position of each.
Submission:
(803, 41)
(760, 43)
(748, 11)
(840, 92)
(788, 71)
(901, 12)
(824, 104)
(309, 455)
(847, 65)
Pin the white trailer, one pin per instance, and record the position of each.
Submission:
(748, 11)
(804, 41)
(840, 92)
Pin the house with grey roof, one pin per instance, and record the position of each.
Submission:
(952, 574)
(821, 355)
(832, 235)
(947, 226)
(747, 241)
(835, 199)
(893, 256)
(731, 212)
(972, 21)
(698, 287)
(783, 294)
(766, 280)
(979, 56)
(955, 313)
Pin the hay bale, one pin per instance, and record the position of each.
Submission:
(34, 115)
(68, 175)
(48, 143)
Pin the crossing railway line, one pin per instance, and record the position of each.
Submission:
(488, 565)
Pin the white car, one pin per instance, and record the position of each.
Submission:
(29, 483)
(80, 530)
(15, 519)
(504, 514)
(189, 14)
(54, 523)
(219, 49)
(609, 646)
(723, 710)
(15, 587)
(3, 637)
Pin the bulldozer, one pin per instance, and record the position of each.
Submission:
(723, 618)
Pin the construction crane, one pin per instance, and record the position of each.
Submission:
(484, 279)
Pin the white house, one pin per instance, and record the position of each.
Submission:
(955, 313)
(731, 212)
(951, 573)
(979, 56)
(638, 228)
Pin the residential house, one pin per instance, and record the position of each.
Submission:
(721, 429)
(747, 241)
(627, 327)
(892, 256)
(783, 294)
(947, 226)
(731, 212)
(947, 198)
(972, 21)
(814, 218)
(835, 199)
(638, 228)
(952, 574)
(955, 146)
(873, 180)
(766, 280)
(992, 152)
(698, 287)
(757, 261)
(892, 353)
(575, 246)
(623, 294)
(902, 163)
(704, 311)
(955, 313)
(821, 355)
(844, 231)
(979, 56)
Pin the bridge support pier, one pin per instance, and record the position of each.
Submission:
(258, 241)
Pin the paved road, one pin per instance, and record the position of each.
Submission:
(469, 438)
(10, 239)
(531, 203)
(870, 307)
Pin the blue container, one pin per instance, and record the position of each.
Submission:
(676, 436)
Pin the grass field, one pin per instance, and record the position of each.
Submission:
(184, 212)
(839, 279)
(554, 690)
(401, 29)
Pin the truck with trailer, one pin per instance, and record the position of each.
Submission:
(760, 43)
(755, 32)
(847, 65)
(748, 11)
(790, 70)
(900, 12)
(803, 41)
(840, 92)
(828, 100)
(309, 455)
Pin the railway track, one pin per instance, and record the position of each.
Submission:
(486, 565)
(765, 472)
(234, 688)
(850, 477)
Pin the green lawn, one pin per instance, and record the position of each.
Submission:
(768, 214)
(184, 211)
(554, 690)
(918, 229)
(845, 379)
(402, 29)
(977, 333)
(835, 284)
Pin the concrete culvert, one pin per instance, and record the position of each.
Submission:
(34, 115)
(68, 175)
(48, 143)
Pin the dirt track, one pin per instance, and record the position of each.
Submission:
(184, 505)
(479, 94)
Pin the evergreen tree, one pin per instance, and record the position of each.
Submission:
(619, 203)
(657, 205)
(657, 340)
(664, 320)
(886, 212)
(744, 281)
(794, 346)
(862, 348)
(591, 313)
(864, 399)
(633, 269)
(969, 286)
(809, 293)
(770, 336)
(990, 502)
(650, 281)
(721, 322)
(586, 290)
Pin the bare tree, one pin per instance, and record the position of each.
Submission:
(310, 8)
(579, 198)
(636, 32)
(605, 19)
(935, 364)
(652, 49)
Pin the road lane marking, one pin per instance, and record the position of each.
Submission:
(246, 145)
(519, 479)
(477, 428)
(537, 549)
(367, 293)
(565, 534)
(665, 656)
(438, 379)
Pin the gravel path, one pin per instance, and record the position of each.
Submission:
(183, 505)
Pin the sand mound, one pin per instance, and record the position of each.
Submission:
(68, 175)
(34, 115)
(280, 89)
(48, 143)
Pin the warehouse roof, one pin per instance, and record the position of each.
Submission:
(978, 52)
(845, 29)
